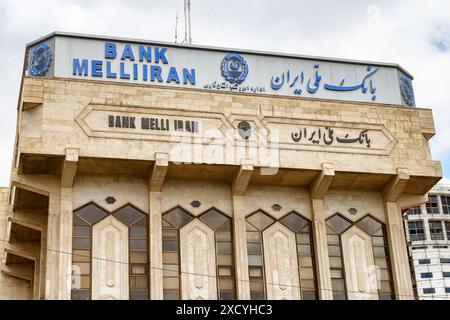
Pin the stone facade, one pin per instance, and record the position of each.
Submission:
(78, 182)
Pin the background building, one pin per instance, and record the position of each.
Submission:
(150, 170)
(428, 234)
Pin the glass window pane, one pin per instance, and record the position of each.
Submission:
(77, 221)
(306, 273)
(178, 218)
(253, 248)
(81, 243)
(257, 295)
(128, 215)
(138, 232)
(224, 259)
(170, 245)
(226, 284)
(214, 219)
(138, 295)
(225, 272)
(260, 220)
(338, 285)
(305, 261)
(138, 282)
(81, 294)
(255, 260)
(253, 237)
(338, 224)
(304, 250)
(170, 270)
(223, 236)
(381, 262)
(226, 295)
(170, 258)
(378, 241)
(255, 272)
(81, 268)
(303, 238)
(224, 247)
(333, 239)
(170, 234)
(309, 295)
(171, 295)
(138, 244)
(171, 283)
(379, 251)
(81, 231)
(369, 225)
(294, 222)
(138, 257)
(256, 285)
(334, 251)
(138, 269)
(335, 262)
(91, 214)
(81, 256)
(336, 274)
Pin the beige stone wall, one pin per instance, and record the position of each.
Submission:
(65, 100)
(10, 288)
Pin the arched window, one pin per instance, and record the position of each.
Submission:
(219, 226)
(346, 242)
(268, 243)
(132, 258)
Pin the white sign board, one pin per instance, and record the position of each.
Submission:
(131, 61)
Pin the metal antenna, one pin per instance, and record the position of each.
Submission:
(176, 29)
(187, 22)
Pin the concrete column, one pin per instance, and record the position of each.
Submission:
(398, 252)
(321, 250)
(156, 259)
(240, 249)
(51, 272)
(155, 185)
(318, 190)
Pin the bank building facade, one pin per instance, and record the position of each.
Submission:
(146, 170)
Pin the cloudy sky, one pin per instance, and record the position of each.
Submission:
(413, 33)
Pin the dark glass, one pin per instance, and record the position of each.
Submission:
(138, 295)
(294, 222)
(81, 243)
(253, 248)
(81, 231)
(224, 247)
(92, 214)
(260, 220)
(369, 225)
(77, 221)
(171, 295)
(128, 215)
(170, 246)
(338, 224)
(178, 218)
(214, 219)
(138, 244)
(80, 294)
(138, 232)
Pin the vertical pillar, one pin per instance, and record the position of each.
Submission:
(398, 253)
(51, 262)
(318, 190)
(396, 236)
(240, 249)
(65, 225)
(238, 190)
(155, 184)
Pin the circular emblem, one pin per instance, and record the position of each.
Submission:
(234, 68)
(407, 91)
(41, 60)
(245, 130)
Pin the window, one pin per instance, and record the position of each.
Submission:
(446, 274)
(432, 205)
(416, 231)
(447, 290)
(173, 222)
(445, 260)
(445, 204)
(447, 229)
(426, 275)
(414, 211)
(137, 222)
(436, 230)
(301, 227)
(336, 226)
(424, 261)
(429, 291)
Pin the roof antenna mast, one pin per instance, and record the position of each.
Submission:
(176, 29)
(187, 22)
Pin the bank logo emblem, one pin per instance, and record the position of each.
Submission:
(234, 68)
(41, 60)
(407, 91)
